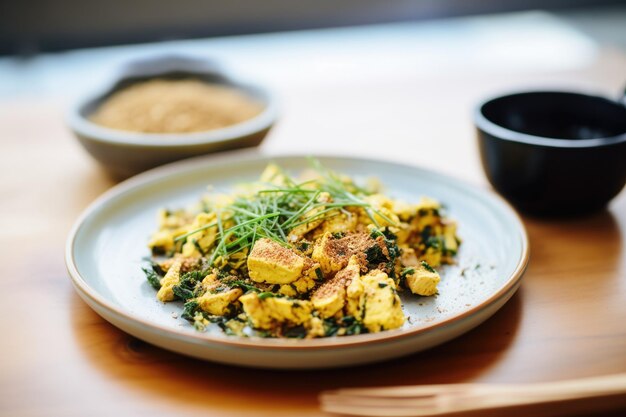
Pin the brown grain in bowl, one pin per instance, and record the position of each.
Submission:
(175, 106)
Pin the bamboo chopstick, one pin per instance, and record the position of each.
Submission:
(554, 399)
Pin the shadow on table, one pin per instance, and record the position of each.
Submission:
(554, 242)
(175, 378)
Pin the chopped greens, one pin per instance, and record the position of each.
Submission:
(152, 277)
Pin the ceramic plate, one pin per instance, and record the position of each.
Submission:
(105, 250)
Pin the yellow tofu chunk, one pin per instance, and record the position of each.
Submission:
(270, 313)
(330, 298)
(315, 327)
(186, 263)
(333, 254)
(162, 240)
(329, 304)
(384, 207)
(210, 281)
(217, 201)
(203, 239)
(273, 174)
(373, 300)
(171, 278)
(323, 252)
(403, 210)
(311, 275)
(403, 233)
(408, 256)
(354, 299)
(423, 281)
(288, 290)
(173, 220)
(299, 231)
(274, 264)
(449, 236)
(337, 221)
(300, 286)
(171, 225)
(218, 304)
(432, 257)
(427, 214)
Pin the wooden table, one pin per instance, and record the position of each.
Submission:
(58, 358)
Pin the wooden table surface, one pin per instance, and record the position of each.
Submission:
(58, 358)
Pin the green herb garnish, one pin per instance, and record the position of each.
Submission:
(428, 267)
(267, 294)
(274, 211)
(243, 285)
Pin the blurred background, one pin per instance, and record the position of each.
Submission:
(387, 79)
(33, 26)
(347, 73)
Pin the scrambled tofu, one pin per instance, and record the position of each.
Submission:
(272, 263)
(374, 300)
(313, 258)
(311, 276)
(311, 220)
(333, 252)
(423, 280)
(168, 282)
(219, 303)
(330, 298)
(337, 222)
(269, 313)
(198, 243)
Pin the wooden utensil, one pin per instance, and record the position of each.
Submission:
(561, 398)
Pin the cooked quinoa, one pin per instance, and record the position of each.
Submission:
(175, 106)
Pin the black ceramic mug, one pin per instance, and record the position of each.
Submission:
(554, 153)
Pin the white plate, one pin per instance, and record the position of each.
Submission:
(106, 246)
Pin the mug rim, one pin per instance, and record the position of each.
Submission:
(498, 131)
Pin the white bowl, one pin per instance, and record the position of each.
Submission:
(125, 153)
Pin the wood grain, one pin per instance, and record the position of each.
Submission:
(58, 358)
(537, 399)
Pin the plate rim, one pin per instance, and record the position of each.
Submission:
(191, 164)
